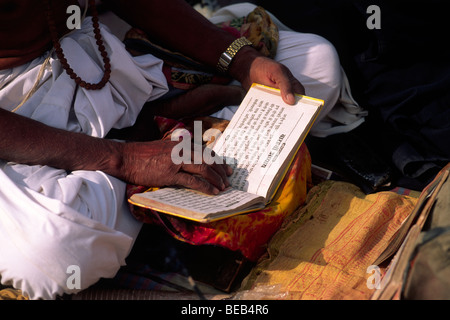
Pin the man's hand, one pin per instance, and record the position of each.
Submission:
(151, 164)
(249, 67)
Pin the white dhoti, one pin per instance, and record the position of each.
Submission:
(61, 232)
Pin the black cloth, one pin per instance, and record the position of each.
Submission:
(400, 72)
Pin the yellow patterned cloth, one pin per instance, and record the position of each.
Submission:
(324, 251)
(257, 27)
(11, 294)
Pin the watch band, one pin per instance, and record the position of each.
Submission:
(226, 57)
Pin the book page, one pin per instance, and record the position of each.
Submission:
(263, 136)
(199, 204)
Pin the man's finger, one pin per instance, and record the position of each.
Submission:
(218, 180)
(217, 164)
(289, 86)
(298, 87)
(195, 182)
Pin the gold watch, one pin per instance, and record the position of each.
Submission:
(226, 57)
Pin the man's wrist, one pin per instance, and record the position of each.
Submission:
(229, 54)
(242, 62)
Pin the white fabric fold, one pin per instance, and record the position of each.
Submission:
(51, 219)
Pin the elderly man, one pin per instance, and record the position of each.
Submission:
(62, 199)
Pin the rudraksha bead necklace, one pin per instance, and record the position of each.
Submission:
(62, 58)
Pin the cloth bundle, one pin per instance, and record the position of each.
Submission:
(330, 248)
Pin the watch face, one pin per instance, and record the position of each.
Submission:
(227, 58)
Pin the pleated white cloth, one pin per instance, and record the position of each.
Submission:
(53, 222)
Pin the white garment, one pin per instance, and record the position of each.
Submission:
(51, 220)
(314, 62)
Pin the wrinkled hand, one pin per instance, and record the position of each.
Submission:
(269, 72)
(251, 67)
(150, 164)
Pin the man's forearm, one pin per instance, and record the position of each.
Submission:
(175, 24)
(26, 141)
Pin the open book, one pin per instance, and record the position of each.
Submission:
(259, 143)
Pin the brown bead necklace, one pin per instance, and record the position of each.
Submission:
(62, 58)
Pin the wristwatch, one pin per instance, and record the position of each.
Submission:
(226, 57)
